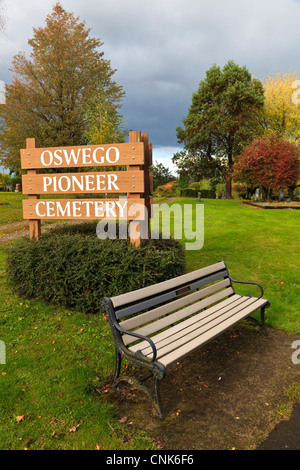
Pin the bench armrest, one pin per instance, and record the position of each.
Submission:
(137, 335)
(253, 283)
(108, 307)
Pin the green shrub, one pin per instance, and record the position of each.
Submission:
(193, 192)
(204, 184)
(72, 267)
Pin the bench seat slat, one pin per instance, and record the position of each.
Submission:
(161, 323)
(208, 335)
(149, 291)
(188, 325)
(208, 321)
(158, 312)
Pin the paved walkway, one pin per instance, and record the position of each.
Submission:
(286, 435)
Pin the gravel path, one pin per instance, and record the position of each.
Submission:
(21, 229)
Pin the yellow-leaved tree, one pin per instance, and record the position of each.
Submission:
(281, 112)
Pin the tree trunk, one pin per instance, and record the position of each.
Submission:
(228, 188)
(269, 192)
(291, 192)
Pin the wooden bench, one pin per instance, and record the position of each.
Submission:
(158, 325)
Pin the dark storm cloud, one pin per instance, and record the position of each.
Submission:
(162, 49)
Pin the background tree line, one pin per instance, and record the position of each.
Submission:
(239, 128)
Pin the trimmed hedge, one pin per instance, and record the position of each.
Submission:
(70, 266)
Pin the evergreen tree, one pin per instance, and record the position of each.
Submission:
(222, 118)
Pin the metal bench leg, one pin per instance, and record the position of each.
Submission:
(262, 322)
(154, 397)
(138, 383)
(118, 360)
(157, 400)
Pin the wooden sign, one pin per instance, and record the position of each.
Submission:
(83, 156)
(85, 209)
(76, 183)
(135, 182)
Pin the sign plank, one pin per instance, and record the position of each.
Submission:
(83, 156)
(84, 209)
(80, 183)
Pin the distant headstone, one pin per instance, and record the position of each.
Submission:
(199, 197)
(18, 187)
(256, 196)
(281, 195)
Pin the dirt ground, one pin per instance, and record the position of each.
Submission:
(228, 395)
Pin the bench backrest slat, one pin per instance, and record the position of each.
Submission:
(149, 303)
(140, 294)
(158, 312)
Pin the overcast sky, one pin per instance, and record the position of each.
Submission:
(162, 49)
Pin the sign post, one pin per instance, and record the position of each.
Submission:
(34, 224)
(134, 182)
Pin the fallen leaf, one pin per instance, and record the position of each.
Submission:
(123, 420)
(20, 418)
(74, 428)
(4, 373)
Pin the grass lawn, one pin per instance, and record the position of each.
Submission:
(51, 393)
(257, 245)
(58, 362)
(11, 207)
